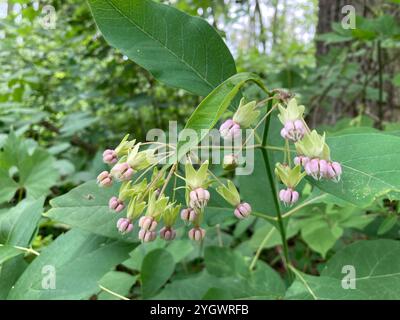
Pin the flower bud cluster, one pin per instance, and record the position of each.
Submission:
(313, 153)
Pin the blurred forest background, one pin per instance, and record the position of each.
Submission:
(66, 90)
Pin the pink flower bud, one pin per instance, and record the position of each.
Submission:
(122, 171)
(110, 156)
(188, 215)
(293, 130)
(124, 225)
(199, 198)
(335, 170)
(288, 196)
(323, 168)
(147, 235)
(301, 160)
(116, 204)
(197, 234)
(312, 168)
(230, 130)
(243, 210)
(104, 179)
(320, 168)
(167, 233)
(147, 223)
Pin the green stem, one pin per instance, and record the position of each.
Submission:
(271, 179)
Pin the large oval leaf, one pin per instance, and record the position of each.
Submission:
(157, 267)
(79, 260)
(86, 207)
(370, 164)
(377, 274)
(178, 49)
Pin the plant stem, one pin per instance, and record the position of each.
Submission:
(271, 179)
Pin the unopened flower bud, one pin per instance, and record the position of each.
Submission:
(199, 198)
(110, 156)
(147, 223)
(167, 233)
(293, 130)
(197, 234)
(301, 160)
(243, 210)
(104, 179)
(147, 235)
(337, 168)
(122, 171)
(333, 171)
(230, 162)
(230, 130)
(124, 225)
(116, 204)
(320, 168)
(188, 215)
(312, 168)
(288, 196)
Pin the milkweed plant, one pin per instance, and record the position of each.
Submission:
(146, 202)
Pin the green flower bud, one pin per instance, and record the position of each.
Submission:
(290, 177)
(125, 191)
(171, 214)
(135, 208)
(229, 193)
(124, 146)
(246, 114)
(313, 146)
(292, 112)
(156, 206)
(196, 179)
(139, 160)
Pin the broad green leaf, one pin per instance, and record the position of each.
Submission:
(307, 287)
(86, 207)
(180, 249)
(34, 168)
(368, 171)
(17, 227)
(322, 225)
(8, 252)
(218, 294)
(10, 272)
(79, 260)
(179, 50)
(377, 274)
(137, 255)
(210, 110)
(117, 282)
(377, 267)
(157, 268)
(223, 262)
(193, 287)
(263, 283)
(19, 223)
